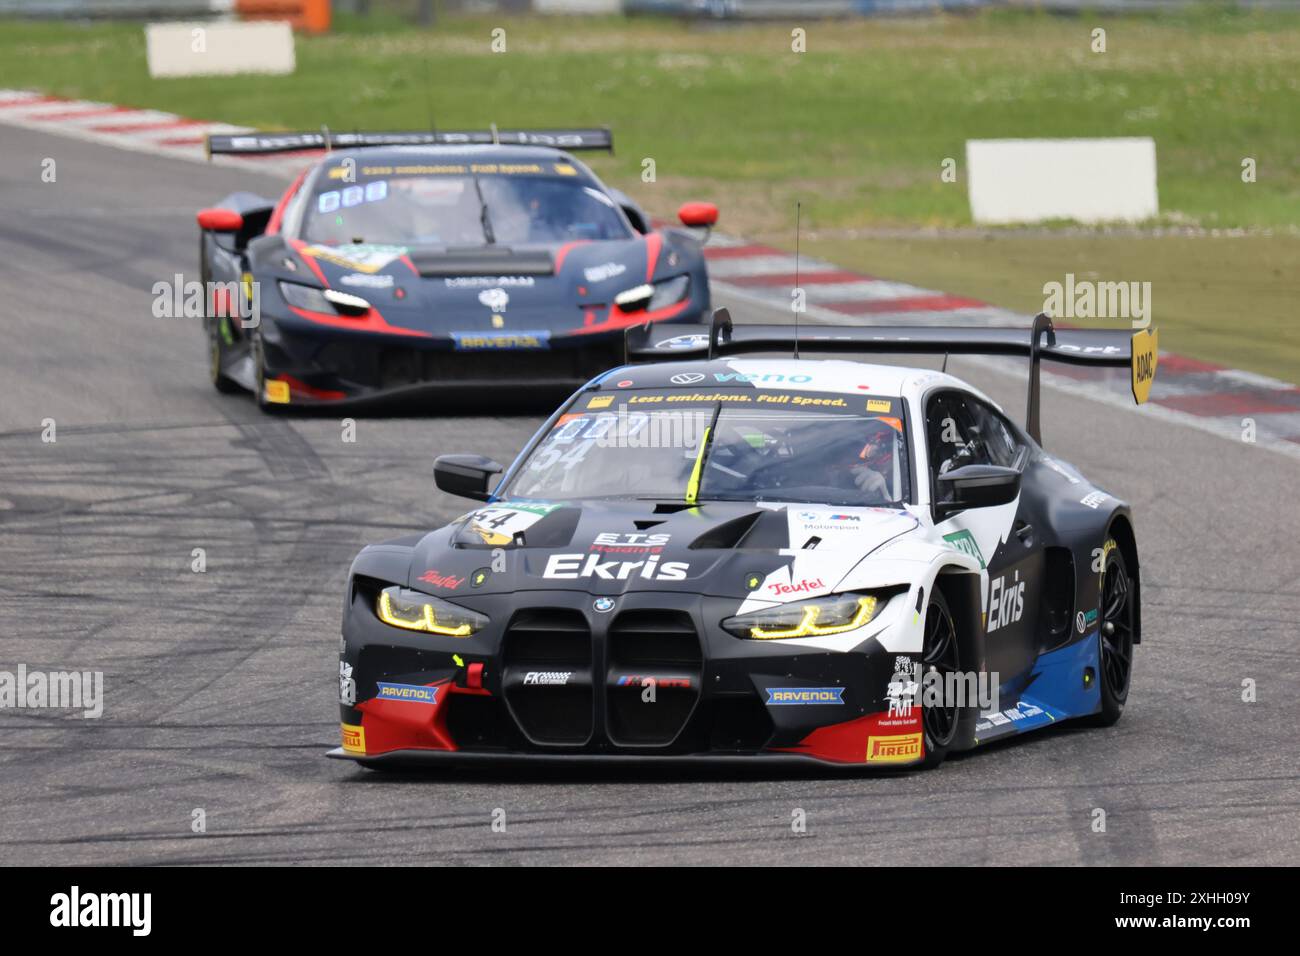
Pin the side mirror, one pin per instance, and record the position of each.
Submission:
(704, 214)
(976, 486)
(465, 476)
(217, 219)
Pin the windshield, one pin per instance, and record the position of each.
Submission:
(461, 211)
(715, 451)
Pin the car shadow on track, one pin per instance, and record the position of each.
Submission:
(507, 770)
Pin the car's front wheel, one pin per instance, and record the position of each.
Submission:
(217, 355)
(940, 656)
(1116, 613)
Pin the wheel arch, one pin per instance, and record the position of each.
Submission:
(963, 590)
(1120, 528)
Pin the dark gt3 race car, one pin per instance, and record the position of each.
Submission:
(414, 262)
(754, 557)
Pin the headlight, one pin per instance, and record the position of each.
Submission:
(658, 295)
(323, 300)
(835, 614)
(669, 292)
(415, 611)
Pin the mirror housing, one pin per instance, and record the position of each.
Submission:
(217, 219)
(465, 476)
(699, 214)
(976, 486)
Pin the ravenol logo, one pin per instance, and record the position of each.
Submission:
(805, 695)
(506, 341)
(412, 693)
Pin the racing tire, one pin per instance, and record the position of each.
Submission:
(215, 353)
(940, 654)
(1116, 614)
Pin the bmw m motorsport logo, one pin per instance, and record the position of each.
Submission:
(411, 693)
(804, 695)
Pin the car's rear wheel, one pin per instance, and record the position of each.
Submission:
(1115, 626)
(940, 656)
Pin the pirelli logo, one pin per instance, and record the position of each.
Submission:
(354, 739)
(898, 748)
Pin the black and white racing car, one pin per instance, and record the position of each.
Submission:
(727, 556)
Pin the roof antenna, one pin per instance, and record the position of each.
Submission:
(496, 139)
(798, 215)
(945, 363)
(428, 97)
(325, 131)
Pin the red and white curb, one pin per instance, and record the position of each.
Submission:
(1202, 395)
(123, 127)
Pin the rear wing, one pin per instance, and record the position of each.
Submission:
(1118, 348)
(262, 144)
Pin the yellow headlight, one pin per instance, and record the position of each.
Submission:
(808, 626)
(413, 611)
(819, 617)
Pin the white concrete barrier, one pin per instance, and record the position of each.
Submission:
(218, 49)
(1087, 180)
(578, 6)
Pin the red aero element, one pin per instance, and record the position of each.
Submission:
(698, 214)
(217, 219)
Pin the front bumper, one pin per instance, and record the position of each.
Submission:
(552, 678)
(326, 365)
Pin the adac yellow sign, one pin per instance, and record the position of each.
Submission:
(1145, 358)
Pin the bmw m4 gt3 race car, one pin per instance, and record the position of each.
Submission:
(752, 557)
(409, 262)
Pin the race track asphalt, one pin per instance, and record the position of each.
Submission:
(221, 687)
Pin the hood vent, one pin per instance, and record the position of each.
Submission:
(727, 535)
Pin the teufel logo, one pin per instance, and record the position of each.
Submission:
(448, 581)
(494, 299)
(1006, 601)
(796, 587)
